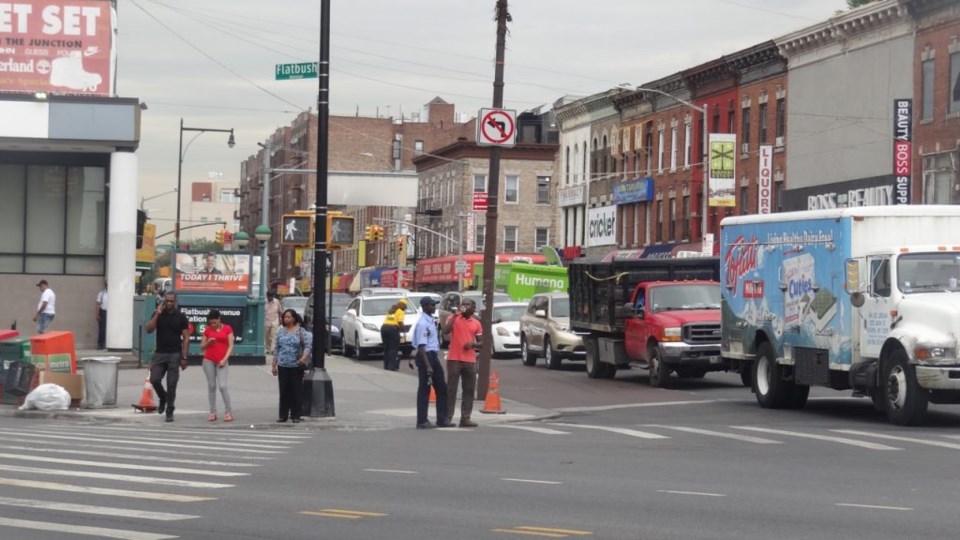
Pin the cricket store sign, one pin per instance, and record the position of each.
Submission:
(902, 148)
(602, 226)
(58, 46)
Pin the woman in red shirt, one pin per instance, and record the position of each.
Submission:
(217, 346)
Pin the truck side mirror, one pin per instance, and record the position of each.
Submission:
(852, 283)
(540, 313)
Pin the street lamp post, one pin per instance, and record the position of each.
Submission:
(145, 199)
(704, 156)
(231, 142)
(262, 233)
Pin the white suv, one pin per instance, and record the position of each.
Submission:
(362, 321)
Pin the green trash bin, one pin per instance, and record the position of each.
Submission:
(17, 348)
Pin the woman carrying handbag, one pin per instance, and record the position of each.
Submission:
(291, 357)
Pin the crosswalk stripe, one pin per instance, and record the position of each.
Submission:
(621, 431)
(151, 458)
(176, 449)
(71, 488)
(841, 440)
(96, 532)
(120, 477)
(535, 429)
(207, 432)
(129, 466)
(699, 431)
(144, 443)
(137, 440)
(98, 510)
(926, 442)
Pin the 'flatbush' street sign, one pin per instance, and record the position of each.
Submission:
(303, 70)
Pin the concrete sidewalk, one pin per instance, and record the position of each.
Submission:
(366, 397)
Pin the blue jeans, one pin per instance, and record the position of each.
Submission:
(423, 390)
(43, 321)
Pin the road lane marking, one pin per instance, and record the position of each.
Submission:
(621, 431)
(119, 477)
(394, 471)
(548, 482)
(127, 456)
(535, 429)
(135, 467)
(96, 532)
(841, 440)
(199, 433)
(71, 488)
(138, 440)
(142, 443)
(178, 450)
(600, 408)
(734, 436)
(543, 531)
(927, 442)
(343, 514)
(98, 510)
(875, 507)
(698, 493)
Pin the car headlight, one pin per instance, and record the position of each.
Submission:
(672, 333)
(501, 331)
(370, 326)
(927, 353)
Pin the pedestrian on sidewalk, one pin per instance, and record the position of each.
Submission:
(46, 308)
(173, 343)
(290, 359)
(390, 334)
(102, 298)
(217, 346)
(465, 334)
(271, 321)
(429, 369)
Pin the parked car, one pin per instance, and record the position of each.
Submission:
(451, 303)
(362, 322)
(296, 303)
(383, 291)
(340, 303)
(506, 327)
(336, 336)
(415, 297)
(545, 331)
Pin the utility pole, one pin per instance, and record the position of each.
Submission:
(493, 200)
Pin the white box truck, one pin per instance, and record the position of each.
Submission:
(855, 298)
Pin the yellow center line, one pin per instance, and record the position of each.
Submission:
(530, 533)
(558, 531)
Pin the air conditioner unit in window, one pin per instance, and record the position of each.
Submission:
(779, 141)
(745, 148)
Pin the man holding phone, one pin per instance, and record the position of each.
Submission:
(173, 342)
(465, 334)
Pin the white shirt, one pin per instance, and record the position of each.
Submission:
(51, 299)
(102, 298)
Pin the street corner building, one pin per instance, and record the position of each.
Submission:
(68, 167)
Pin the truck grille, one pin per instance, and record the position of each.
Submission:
(701, 333)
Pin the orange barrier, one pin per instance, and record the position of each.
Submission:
(433, 394)
(146, 398)
(55, 350)
(492, 404)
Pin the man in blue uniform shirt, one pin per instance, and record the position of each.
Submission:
(429, 369)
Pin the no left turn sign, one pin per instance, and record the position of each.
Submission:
(497, 127)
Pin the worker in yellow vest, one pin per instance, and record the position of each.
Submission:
(390, 334)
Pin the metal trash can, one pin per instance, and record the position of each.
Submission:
(100, 381)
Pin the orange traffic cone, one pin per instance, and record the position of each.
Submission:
(146, 398)
(433, 395)
(492, 404)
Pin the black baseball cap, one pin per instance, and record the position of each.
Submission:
(428, 301)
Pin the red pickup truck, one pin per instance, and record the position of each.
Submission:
(662, 315)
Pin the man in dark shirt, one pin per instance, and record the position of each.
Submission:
(173, 342)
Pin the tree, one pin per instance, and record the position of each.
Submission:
(857, 3)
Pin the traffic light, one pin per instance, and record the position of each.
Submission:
(369, 234)
(141, 221)
(219, 235)
(339, 231)
(297, 229)
(379, 233)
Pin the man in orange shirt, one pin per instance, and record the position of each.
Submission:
(465, 334)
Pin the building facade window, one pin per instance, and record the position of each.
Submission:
(672, 218)
(510, 239)
(744, 195)
(781, 117)
(566, 166)
(762, 124)
(673, 149)
(687, 144)
(417, 148)
(228, 196)
(660, 150)
(778, 196)
(926, 90)
(541, 238)
(685, 223)
(940, 174)
(660, 221)
(648, 146)
(731, 119)
(480, 237)
(511, 191)
(479, 183)
(543, 190)
(715, 126)
(745, 131)
(953, 85)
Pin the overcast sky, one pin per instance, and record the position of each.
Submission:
(212, 62)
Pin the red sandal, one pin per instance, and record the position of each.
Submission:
(212, 417)
(228, 417)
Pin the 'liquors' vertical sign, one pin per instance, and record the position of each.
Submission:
(902, 149)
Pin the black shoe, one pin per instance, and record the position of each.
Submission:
(169, 417)
(296, 420)
(281, 420)
(467, 423)
(163, 406)
(426, 425)
(446, 425)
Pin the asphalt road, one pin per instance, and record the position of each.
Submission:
(698, 461)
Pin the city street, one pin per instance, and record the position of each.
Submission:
(699, 460)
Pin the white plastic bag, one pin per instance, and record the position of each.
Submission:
(47, 397)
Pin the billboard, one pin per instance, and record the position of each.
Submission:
(903, 149)
(58, 46)
(212, 272)
(723, 172)
(602, 226)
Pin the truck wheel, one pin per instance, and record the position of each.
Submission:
(746, 376)
(551, 360)
(771, 390)
(658, 375)
(529, 358)
(904, 400)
